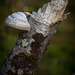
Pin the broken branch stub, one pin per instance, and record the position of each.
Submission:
(49, 14)
(31, 45)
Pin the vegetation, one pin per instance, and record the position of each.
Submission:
(59, 59)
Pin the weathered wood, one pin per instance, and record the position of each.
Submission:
(30, 46)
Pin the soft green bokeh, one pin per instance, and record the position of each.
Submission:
(59, 59)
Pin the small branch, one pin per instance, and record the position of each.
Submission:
(31, 46)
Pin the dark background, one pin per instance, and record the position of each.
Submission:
(59, 59)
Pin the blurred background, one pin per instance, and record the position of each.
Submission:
(59, 59)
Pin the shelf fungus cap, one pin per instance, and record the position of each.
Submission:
(18, 20)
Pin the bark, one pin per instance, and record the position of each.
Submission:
(31, 45)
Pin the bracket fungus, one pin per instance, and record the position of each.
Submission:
(18, 20)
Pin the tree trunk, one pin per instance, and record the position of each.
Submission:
(30, 46)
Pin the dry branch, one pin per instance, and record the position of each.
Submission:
(30, 46)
